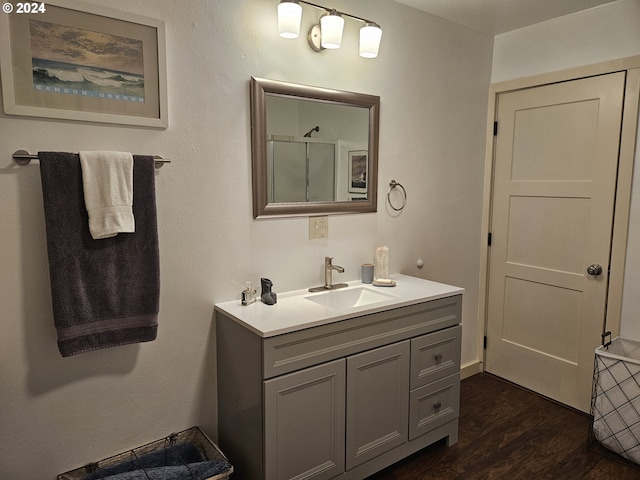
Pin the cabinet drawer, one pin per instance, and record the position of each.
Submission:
(433, 405)
(435, 356)
(293, 351)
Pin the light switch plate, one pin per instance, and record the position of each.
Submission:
(318, 227)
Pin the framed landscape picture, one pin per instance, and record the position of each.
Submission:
(358, 170)
(67, 60)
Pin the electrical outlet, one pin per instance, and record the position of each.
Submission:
(318, 227)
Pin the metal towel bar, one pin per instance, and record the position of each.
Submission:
(23, 157)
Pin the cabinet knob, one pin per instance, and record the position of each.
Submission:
(437, 405)
(438, 357)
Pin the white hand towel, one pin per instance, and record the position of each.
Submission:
(107, 180)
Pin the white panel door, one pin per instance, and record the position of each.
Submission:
(556, 157)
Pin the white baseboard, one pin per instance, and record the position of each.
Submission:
(470, 369)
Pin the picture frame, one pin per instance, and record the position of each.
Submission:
(358, 171)
(54, 63)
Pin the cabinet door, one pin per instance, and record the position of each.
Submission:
(304, 423)
(377, 402)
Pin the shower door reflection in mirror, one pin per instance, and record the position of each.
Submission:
(314, 166)
(301, 169)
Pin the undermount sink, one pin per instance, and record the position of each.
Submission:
(350, 297)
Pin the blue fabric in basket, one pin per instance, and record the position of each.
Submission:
(181, 461)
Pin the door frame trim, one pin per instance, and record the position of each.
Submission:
(623, 188)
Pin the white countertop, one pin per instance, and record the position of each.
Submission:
(295, 311)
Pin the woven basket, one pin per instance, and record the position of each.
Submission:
(615, 406)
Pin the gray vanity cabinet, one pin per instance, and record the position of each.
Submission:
(342, 400)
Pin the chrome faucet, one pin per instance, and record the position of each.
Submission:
(329, 267)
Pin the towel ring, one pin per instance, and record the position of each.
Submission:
(393, 184)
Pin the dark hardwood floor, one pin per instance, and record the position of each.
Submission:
(507, 432)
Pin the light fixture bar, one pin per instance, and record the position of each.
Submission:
(328, 32)
(326, 9)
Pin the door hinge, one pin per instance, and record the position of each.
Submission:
(495, 128)
(485, 342)
(489, 239)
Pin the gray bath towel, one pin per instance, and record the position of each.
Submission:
(104, 292)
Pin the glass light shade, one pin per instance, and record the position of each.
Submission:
(370, 36)
(331, 26)
(289, 16)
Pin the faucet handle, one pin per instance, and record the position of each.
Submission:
(328, 260)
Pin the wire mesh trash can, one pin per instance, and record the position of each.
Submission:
(188, 455)
(615, 405)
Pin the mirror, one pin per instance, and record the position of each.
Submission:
(314, 151)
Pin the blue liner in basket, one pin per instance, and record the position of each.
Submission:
(188, 455)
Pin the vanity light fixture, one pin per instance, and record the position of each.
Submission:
(289, 16)
(331, 26)
(370, 36)
(327, 34)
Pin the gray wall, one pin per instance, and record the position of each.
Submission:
(432, 77)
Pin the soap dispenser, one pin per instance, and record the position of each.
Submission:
(248, 294)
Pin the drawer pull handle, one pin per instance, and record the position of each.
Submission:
(437, 405)
(438, 358)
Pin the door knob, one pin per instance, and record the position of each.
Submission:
(594, 269)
